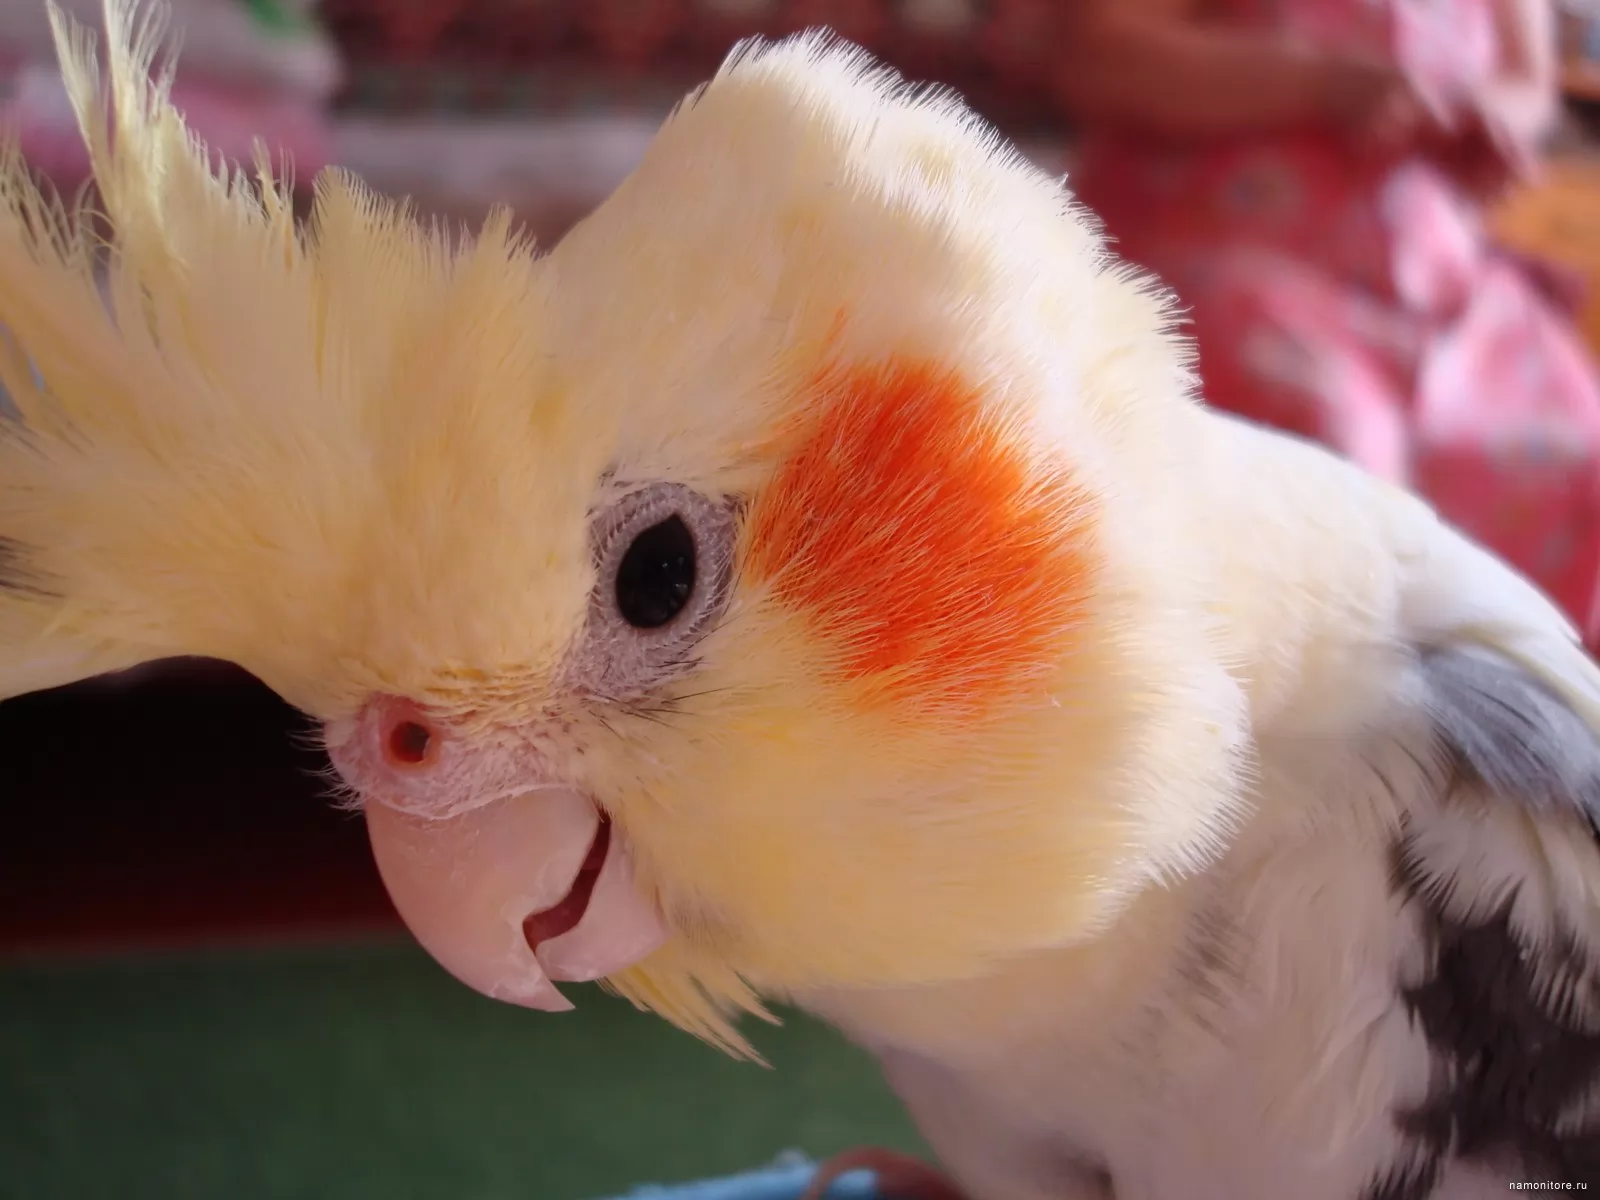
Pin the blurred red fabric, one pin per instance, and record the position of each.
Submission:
(1358, 300)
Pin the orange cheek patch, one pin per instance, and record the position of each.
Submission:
(935, 558)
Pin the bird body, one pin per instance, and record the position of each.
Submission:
(815, 579)
(1340, 1005)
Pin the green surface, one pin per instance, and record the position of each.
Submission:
(364, 1071)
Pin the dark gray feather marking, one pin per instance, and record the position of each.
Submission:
(1208, 969)
(17, 576)
(1514, 1027)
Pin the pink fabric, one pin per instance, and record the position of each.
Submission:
(1358, 303)
(228, 120)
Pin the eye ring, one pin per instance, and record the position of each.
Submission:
(671, 548)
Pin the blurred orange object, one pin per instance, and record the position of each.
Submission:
(1559, 219)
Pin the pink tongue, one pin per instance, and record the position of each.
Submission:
(466, 885)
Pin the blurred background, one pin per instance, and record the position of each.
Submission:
(203, 989)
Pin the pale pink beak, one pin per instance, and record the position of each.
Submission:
(511, 894)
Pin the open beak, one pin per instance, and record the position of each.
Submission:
(518, 893)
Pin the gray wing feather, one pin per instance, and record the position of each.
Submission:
(1509, 731)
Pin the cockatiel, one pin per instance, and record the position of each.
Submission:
(816, 579)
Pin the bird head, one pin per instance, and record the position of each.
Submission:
(779, 586)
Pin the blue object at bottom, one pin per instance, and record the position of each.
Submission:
(784, 1180)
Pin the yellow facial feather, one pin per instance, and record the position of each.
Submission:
(368, 455)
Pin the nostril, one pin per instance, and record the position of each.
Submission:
(409, 743)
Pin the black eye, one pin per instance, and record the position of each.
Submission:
(663, 563)
(655, 578)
